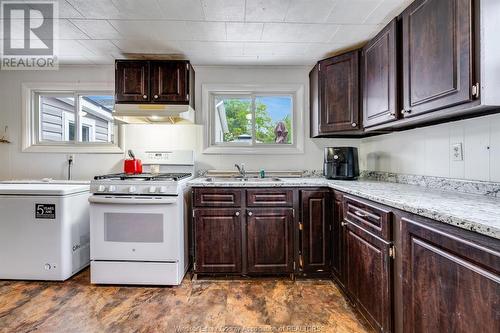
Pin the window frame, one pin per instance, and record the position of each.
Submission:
(31, 137)
(210, 91)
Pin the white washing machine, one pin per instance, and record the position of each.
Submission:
(44, 230)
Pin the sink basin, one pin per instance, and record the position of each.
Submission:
(240, 179)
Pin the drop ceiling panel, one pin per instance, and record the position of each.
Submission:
(219, 31)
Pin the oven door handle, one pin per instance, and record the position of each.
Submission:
(97, 199)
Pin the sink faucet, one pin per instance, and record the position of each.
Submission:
(241, 169)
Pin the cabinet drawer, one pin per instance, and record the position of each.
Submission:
(269, 197)
(217, 197)
(371, 217)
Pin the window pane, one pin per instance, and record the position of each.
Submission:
(96, 120)
(233, 120)
(56, 113)
(273, 119)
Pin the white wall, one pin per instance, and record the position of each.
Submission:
(427, 151)
(15, 164)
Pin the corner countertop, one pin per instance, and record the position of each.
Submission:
(478, 213)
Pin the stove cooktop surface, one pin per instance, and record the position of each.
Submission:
(145, 176)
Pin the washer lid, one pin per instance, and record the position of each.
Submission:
(42, 189)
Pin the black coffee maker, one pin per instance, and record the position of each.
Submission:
(341, 163)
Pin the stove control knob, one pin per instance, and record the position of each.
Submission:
(163, 189)
(152, 189)
(101, 188)
(112, 188)
(132, 189)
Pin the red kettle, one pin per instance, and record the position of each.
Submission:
(132, 165)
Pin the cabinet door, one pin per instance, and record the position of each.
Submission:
(369, 276)
(316, 222)
(217, 240)
(437, 53)
(270, 240)
(380, 78)
(451, 283)
(170, 81)
(132, 81)
(338, 240)
(339, 94)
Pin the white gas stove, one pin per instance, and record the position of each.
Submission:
(138, 223)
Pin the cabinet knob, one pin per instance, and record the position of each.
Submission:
(144, 96)
(354, 124)
(404, 111)
(156, 96)
(343, 224)
(237, 214)
(250, 213)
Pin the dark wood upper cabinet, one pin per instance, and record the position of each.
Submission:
(337, 110)
(217, 240)
(379, 68)
(170, 81)
(437, 55)
(158, 81)
(369, 276)
(132, 81)
(316, 223)
(270, 240)
(451, 278)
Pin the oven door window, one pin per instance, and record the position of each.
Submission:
(133, 228)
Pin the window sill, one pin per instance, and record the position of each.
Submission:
(220, 150)
(77, 149)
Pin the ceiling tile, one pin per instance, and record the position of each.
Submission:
(206, 31)
(266, 10)
(354, 34)
(352, 11)
(224, 10)
(95, 8)
(72, 48)
(244, 31)
(152, 30)
(212, 48)
(280, 61)
(74, 60)
(182, 10)
(101, 47)
(318, 51)
(134, 9)
(386, 11)
(224, 60)
(309, 11)
(295, 32)
(145, 46)
(68, 30)
(275, 49)
(97, 29)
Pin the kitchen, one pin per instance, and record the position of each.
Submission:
(190, 166)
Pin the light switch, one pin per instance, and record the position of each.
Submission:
(457, 152)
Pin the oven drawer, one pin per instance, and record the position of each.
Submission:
(270, 197)
(217, 197)
(373, 218)
(142, 273)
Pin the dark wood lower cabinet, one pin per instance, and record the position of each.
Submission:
(337, 243)
(315, 225)
(217, 240)
(270, 240)
(451, 279)
(369, 276)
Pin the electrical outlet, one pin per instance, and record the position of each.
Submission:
(457, 152)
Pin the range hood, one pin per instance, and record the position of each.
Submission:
(153, 113)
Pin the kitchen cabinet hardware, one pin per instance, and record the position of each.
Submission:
(344, 224)
(476, 90)
(250, 213)
(360, 214)
(145, 96)
(354, 124)
(237, 214)
(155, 96)
(392, 252)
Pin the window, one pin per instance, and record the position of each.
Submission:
(267, 120)
(64, 120)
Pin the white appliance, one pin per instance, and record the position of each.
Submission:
(138, 223)
(44, 230)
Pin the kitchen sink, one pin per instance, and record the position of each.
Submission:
(241, 179)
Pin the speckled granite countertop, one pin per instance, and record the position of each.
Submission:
(478, 213)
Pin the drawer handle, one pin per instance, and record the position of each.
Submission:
(237, 214)
(250, 213)
(144, 96)
(358, 213)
